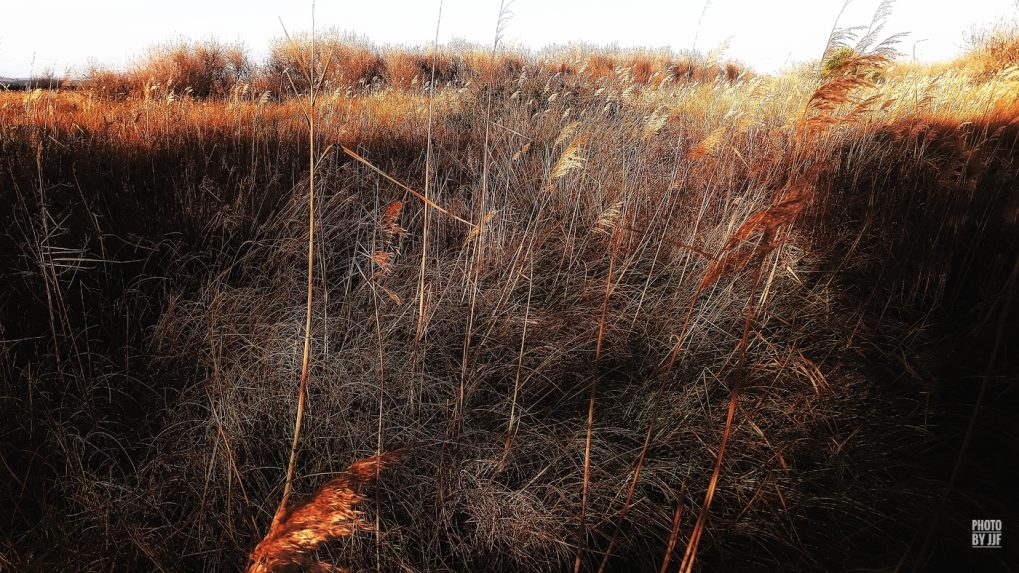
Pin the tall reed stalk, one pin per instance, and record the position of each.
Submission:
(426, 217)
(302, 388)
(582, 545)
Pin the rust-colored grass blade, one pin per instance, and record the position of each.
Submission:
(695, 537)
(677, 520)
(579, 559)
(629, 498)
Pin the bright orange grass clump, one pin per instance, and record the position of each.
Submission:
(291, 542)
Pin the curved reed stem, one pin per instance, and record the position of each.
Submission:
(302, 388)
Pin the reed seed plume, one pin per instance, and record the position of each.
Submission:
(571, 159)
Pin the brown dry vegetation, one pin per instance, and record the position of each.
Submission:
(206, 69)
(661, 256)
(346, 65)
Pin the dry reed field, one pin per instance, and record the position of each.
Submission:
(575, 310)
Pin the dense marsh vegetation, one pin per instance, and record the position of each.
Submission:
(657, 311)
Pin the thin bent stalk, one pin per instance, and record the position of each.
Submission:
(695, 537)
(428, 202)
(511, 426)
(577, 562)
(305, 358)
(629, 498)
(43, 251)
(419, 333)
(677, 520)
(480, 244)
(379, 428)
(642, 456)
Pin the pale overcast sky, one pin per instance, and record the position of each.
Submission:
(61, 34)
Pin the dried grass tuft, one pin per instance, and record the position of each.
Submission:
(330, 514)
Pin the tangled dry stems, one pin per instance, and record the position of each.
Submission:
(817, 206)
